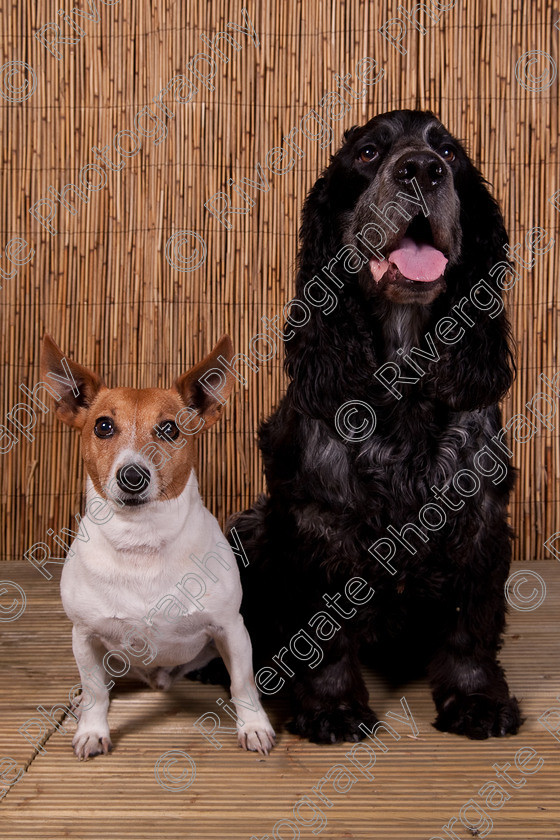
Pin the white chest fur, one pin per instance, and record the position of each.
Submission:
(164, 566)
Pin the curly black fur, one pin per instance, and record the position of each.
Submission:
(330, 499)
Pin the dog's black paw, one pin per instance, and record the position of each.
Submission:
(478, 716)
(331, 726)
(214, 673)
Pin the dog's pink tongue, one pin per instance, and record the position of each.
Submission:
(418, 262)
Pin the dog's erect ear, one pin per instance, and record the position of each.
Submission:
(76, 384)
(206, 387)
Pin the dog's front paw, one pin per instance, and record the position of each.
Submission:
(324, 726)
(478, 716)
(90, 742)
(257, 735)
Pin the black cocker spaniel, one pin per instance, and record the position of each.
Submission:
(386, 463)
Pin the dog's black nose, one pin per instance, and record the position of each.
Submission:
(428, 170)
(132, 478)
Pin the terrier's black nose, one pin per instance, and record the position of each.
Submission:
(132, 478)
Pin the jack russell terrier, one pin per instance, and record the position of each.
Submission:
(139, 454)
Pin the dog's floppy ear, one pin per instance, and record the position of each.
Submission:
(333, 193)
(319, 357)
(318, 232)
(479, 369)
(482, 223)
(76, 384)
(206, 386)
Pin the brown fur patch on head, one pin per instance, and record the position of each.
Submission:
(140, 421)
(154, 426)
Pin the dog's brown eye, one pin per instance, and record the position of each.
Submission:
(447, 153)
(167, 429)
(368, 153)
(104, 427)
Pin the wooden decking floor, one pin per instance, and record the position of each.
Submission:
(418, 784)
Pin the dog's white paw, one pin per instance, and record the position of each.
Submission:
(90, 742)
(257, 736)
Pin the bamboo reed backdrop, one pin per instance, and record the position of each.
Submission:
(102, 285)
